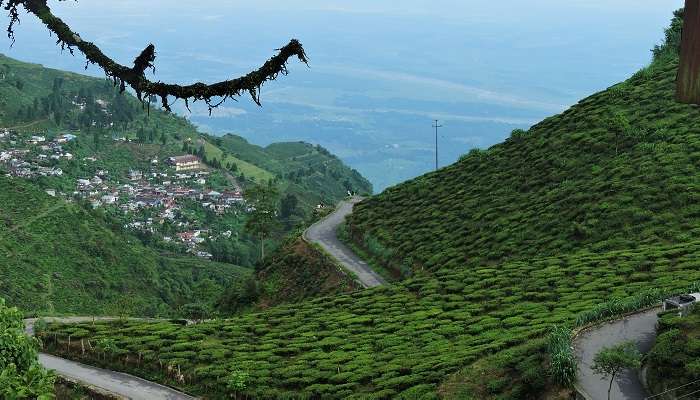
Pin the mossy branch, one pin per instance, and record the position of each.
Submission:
(135, 76)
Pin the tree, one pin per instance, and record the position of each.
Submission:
(21, 376)
(237, 381)
(262, 221)
(196, 312)
(619, 126)
(135, 76)
(610, 361)
(688, 81)
(288, 209)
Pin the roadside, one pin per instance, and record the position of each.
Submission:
(324, 234)
(107, 383)
(639, 328)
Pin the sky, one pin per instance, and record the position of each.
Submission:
(380, 71)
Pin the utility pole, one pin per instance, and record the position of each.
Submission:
(436, 126)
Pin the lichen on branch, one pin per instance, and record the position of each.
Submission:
(135, 76)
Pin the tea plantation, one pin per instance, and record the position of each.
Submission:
(616, 171)
(392, 342)
(597, 203)
(674, 362)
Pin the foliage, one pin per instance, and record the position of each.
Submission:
(562, 363)
(674, 361)
(90, 264)
(610, 361)
(672, 42)
(21, 376)
(57, 257)
(262, 220)
(298, 271)
(617, 307)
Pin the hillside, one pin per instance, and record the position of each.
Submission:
(616, 171)
(58, 258)
(36, 99)
(674, 361)
(595, 204)
(138, 236)
(309, 172)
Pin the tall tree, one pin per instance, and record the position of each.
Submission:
(688, 83)
(262, 220)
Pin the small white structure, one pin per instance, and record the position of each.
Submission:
(683, 303)
(109, 199)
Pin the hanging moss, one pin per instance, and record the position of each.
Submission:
(135, 77)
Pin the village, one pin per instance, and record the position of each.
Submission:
(148, 199)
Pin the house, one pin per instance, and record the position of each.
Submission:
(683, 303)
(65, 138)
(51, 192)
(185, 163)
(109, 199)
(135, 175)
(37, 139)
(204, 254)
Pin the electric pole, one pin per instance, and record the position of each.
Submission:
(436, 126)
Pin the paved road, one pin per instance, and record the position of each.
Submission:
(323, 233)
(640, 328)
(120, 384)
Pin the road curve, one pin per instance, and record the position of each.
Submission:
(639, 328)
(117, 383)
(324, 234)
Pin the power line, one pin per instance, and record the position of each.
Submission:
(436, 126)
(686, 395)
(674, 389)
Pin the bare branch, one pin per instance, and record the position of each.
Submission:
(135, 76)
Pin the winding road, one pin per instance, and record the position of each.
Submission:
(126, 386)
(323, 233)
(120, 385)
(639, 328)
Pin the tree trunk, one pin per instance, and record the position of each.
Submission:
(262, 247)
(688, 83)
(612, 379)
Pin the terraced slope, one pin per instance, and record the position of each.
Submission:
(598, 202)
(618, 170)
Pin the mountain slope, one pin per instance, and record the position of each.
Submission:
(618, 170)
(58, 257)
(55, 257)
(599, 202)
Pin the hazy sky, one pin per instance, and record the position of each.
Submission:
(380, 70)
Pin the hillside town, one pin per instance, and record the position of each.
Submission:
(161, 192)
